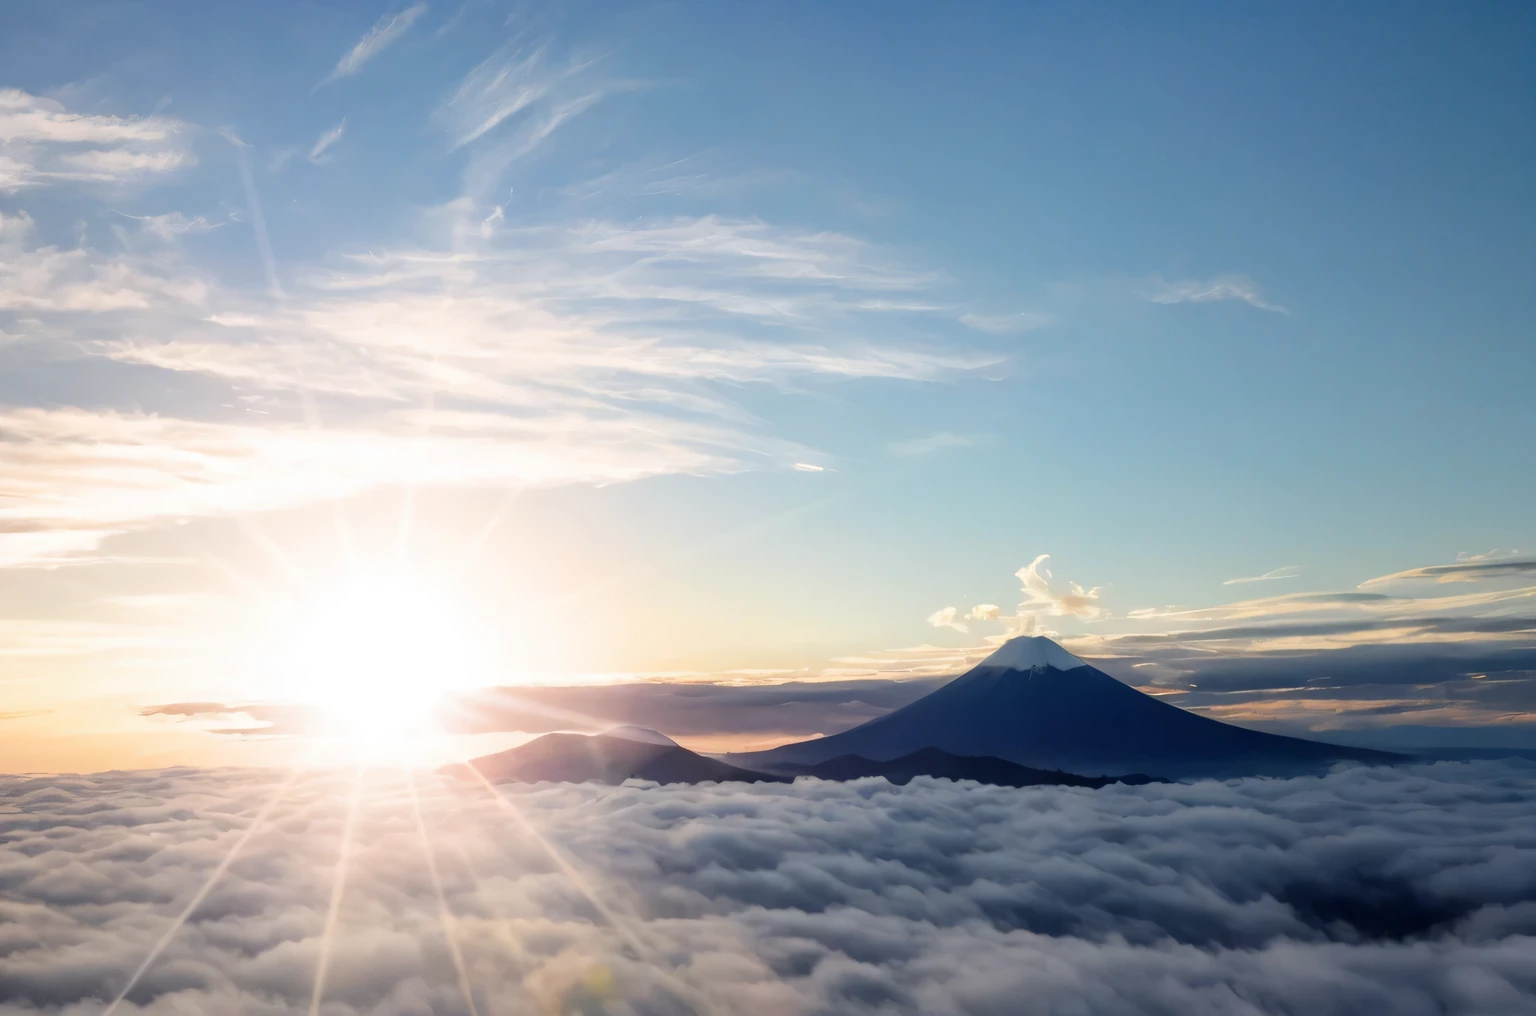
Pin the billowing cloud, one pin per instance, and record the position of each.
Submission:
(1040, 598)
(1221, 287)
(385, 33)
(1371, 890)
(42, 142)
(946, 617)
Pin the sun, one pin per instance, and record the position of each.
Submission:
(375, 654)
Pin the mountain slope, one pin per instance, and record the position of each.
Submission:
(634, 732)
(1035, 704)
(580, 758)
(939, 763)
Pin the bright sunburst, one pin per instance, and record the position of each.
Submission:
(376, 653)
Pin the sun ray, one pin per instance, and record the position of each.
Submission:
(444, 914)
(207, 887)
(273, 552)
(616, 921)
(338, 512)
(408, 506)
(484, 535)
(462, 820)
(620, 924)
(338, 886)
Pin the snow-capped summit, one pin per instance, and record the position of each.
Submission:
(1028, 652)
(1035, 704)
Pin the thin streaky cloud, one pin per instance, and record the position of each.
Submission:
(1221, 287)
(326, 140)
(931, 443)
(499, 87)
(258, 221)
(1469, 568)
(44, 143)
(1290, 571)
(385, 33)
(1005, 324)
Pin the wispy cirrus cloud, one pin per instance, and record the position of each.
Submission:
(512, 103)
(1221, 287)
(171, 225)
(1005, 324)
(384, 33)
(931, 443)
(74, 476)
(500, 87)
(47, 278)
(1289, 571)
(42, 142)
(1392, 651)
(605, 308)
(1466, 568)
(573, 353)
(326, 140)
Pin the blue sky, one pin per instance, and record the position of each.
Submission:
(1176, 295)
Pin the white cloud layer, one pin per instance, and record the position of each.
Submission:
(42, 142)
(1370, 891)
(582, 353)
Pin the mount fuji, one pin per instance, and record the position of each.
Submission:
(1033, 703)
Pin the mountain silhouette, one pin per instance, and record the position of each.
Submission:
(634, 732)
(599, 758)
(583, 758)
(1035, 704)
(939, 763)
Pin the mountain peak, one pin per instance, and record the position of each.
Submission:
(1028, 651)
(645, 735)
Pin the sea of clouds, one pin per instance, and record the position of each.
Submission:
(1373, 890)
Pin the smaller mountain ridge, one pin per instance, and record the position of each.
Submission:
(598, 758)
(631, 732)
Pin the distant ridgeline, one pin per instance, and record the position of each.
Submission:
(605, 758)
(1030, 714)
